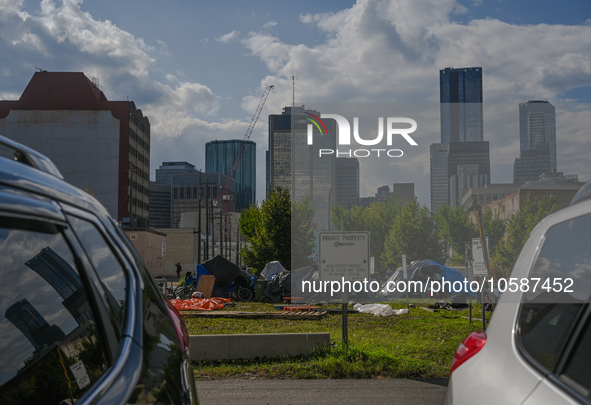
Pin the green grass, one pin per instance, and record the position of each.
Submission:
(419, 344)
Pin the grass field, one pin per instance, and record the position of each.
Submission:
(420, 344)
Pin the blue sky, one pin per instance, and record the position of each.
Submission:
(198, 68)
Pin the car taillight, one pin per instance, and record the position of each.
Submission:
(179, 326)
(468, 348)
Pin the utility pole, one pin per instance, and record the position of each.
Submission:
(199, 223)
(207, 219)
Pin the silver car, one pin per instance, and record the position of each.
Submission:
(537, 346)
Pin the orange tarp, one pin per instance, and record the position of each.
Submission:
(200, 304)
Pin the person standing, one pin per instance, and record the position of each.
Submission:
(179, 269)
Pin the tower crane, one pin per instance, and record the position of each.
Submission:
(223, 193)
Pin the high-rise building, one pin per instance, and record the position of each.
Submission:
(460, 97)
(403, 192)
(347, 182)
(297, 166)
(532, 163)
(383, 192)
(167, 168)
(219, 158)
(455, 167)
(537, 140)
(31, 323)
(100, 146)
(64, 280)
(159, 205)
(186, 195)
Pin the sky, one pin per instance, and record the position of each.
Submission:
(197, 69)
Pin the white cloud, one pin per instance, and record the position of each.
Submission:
(270, 24)
(229, 37)
(392, 51)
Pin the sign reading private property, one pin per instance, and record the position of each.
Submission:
(343, 256)
(478, 264)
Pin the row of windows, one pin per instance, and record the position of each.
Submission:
(133, 152)
(139, 172)
(139, 140)
(488, 196)
(193, 192)
(139, 124)
(140, 204)
(138, 187)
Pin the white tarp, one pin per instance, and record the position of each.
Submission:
(379, 309)
(271, 269)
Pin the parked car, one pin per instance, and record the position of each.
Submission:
(537, 346)
(81, 320)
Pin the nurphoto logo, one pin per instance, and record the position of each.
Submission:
(344, 135)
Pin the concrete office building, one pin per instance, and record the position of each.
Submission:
(186, 193)
(165, 170)
(403, 192)
(297, 166)
(455, 167)
(537, 124)
(100, 146)
(160, 205)
(532, 163)
(219, 158)
(347, 178)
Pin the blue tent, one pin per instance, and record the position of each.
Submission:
(415, 271)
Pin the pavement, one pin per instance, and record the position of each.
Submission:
(329, 392)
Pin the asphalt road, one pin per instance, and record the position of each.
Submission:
(330, 392)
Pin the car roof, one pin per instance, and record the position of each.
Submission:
(21, 176)
(584, 193)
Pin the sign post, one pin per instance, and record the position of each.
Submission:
(405, 279)
(479, 268)
(343, 259)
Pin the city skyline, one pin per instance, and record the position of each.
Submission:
(201, 77)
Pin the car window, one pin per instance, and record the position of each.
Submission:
(107, 267)
(577, 372)
(561, 276)
(50, 347)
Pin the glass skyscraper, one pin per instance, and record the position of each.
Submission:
(537, 128)
(219, 158)
(460, 97)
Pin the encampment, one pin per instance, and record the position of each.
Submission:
(271, 269)
(428, 273)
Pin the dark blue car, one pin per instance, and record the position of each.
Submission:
(81, 320)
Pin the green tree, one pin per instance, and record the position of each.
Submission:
(412, 233)
(519, 227)
(454, 227)
(377, 219)
(494, 229)
(250, 219)
(271, 236)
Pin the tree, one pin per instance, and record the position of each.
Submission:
(377, 219)
(270, 231)
(412, 233)
(519, 227)
(250, 219)
(454, 227)
(494, 228)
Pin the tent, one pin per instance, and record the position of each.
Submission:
(228, 276)
(424, 270)
(281, 285)
(271, 269)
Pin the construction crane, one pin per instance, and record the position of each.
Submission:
(223, 193)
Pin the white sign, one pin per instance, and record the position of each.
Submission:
(343, 255)
(80, 374)
(478, 264)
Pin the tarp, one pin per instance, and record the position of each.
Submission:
(200, 304)
(271, 269)
(224, 270)
(278, 288)
(415, 273)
